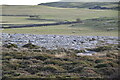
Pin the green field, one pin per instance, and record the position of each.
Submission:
(57, 13)
(20, 15)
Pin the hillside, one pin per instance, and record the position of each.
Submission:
(89, 1)
(109, 5)
(41, 63)
(15, 15)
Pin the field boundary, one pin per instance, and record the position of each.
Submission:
(36, 25)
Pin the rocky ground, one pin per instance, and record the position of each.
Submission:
(59, 41)
(57, 56)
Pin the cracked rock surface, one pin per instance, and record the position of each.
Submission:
(59, 41)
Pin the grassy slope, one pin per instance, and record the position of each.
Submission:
(63, 30)
(21, 20)
(55, 13)
(80, 4)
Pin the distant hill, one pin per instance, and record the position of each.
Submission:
(90, 5)
(89, 0)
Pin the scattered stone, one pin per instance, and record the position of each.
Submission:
(58, 41)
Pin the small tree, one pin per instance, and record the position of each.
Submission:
(78, 20)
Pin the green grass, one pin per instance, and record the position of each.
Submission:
(63, 30)
(70, 14)
(57, 13)
(91, 27)
(20, 20)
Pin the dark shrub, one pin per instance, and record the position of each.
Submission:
(16, 74)
(10, 45)
(52, 68)
(102, 65)
(99, 61)
(112, 55)
(32, 70)
(79, 51)
(77, 69)
(30, 45)
(55, 62)
(107, 71)
(118, 45)
(101, 48)
(40, 57)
